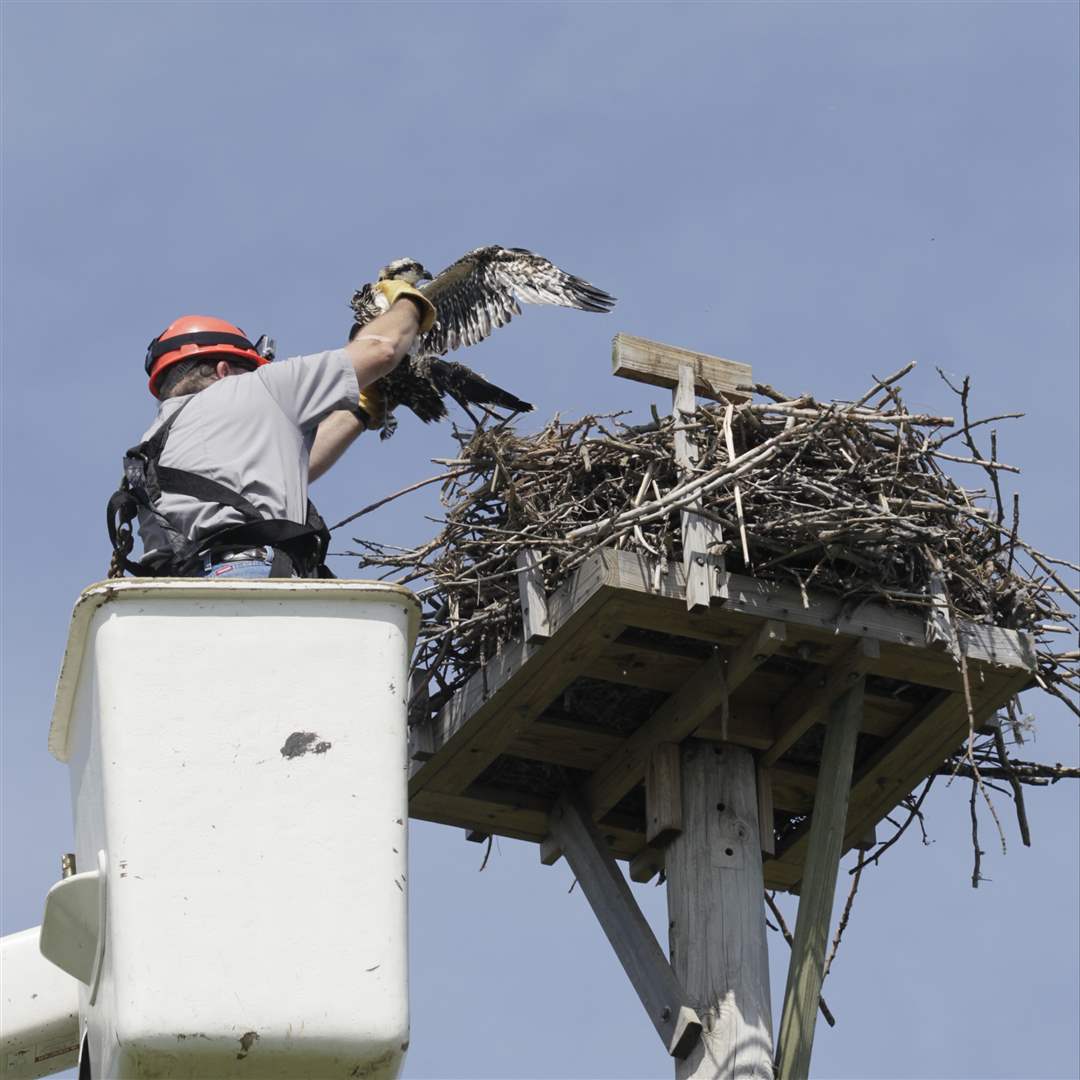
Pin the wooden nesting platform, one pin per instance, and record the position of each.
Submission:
(618, 669)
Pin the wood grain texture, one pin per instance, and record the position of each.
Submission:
(807, 704)
(653, 362)
(765, 808)
(898, 766)
(478, 723)
(902, 634)
(825, 846)
(679, 716)
(716, 914)
(663, 798)
(701, 536)
(625, 926)
(536, 626)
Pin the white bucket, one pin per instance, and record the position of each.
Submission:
(238, 769)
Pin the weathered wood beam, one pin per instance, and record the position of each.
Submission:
(646, 864)
(660, 666)
(700, 536)
(418, 708)
(516, 815)
(822, 617)
(679, 716)
(478, 724)
(716, 914)
(559, 742)
(626, 928)
(536, 626)
(806, 704)
(653, 362)
(766, 824)
(663, 798)
(421, 743)
(826, 845)
(892, 770)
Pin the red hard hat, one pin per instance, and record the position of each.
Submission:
(200, 336)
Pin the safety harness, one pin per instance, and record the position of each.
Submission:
(299, 550)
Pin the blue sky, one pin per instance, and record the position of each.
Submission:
(822, 190)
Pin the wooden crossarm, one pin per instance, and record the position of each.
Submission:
(658, 364)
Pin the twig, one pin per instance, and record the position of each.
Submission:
(826, 1012)
(397, 495)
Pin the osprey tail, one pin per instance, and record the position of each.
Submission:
(466, 387)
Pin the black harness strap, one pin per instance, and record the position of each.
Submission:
(298, 548)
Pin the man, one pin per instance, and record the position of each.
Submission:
(220, 480)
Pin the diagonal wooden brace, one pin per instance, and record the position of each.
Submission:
(827, 827)
(631, 937)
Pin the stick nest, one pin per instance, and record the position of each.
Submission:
(845, 497)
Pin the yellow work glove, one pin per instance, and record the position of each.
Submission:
(395, 290)
(371, 407)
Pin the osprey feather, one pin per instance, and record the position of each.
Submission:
(472, 297)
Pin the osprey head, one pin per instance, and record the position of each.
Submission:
(407, 270)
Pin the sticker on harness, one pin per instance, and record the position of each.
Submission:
(224, 568)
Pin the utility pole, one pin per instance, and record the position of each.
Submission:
(716, 914)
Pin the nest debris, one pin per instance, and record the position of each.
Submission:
(850, 498)
(847, 498)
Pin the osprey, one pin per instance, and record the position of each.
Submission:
(472, 297)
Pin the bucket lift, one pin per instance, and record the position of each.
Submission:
(236, 902)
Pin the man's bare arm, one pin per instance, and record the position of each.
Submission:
(373, 353)
(379, 347)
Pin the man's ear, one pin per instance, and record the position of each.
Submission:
(222, 369)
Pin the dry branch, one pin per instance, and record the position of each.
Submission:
(849, 498)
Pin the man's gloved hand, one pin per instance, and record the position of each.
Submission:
(395, 290)
(372, 407)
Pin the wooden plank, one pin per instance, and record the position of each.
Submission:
(421, 743)
(419, 707)
(903, 762)
(679, 716)
(587, 747)
(806, 704)
(663, 799)
(652, 362)
(904, 652)
(896, 768)
(744, 726)
(646, 864)
(716, 917)
(793, 787)
(826, 844)
(576, 746)
(659, 666)
(517, 815)
(940, 633)
(987, 644)
(629, 665)
(700, 536)
(479, 722)
(536, 626)
(765, 810)
(550, 851)
(752, 718)
(867, 841)
(625, 927)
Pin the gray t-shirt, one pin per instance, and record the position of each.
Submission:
(253, 433)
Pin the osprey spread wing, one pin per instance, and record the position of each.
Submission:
(472, 297)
